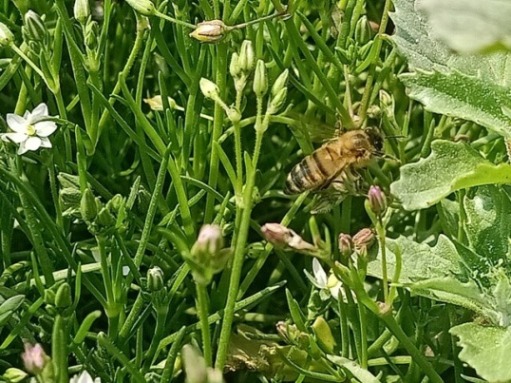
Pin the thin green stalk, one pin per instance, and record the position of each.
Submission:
(218, 116)
(59, 349)
(239, 250)
(380, 231)
(203, 312)
(111, 304)
(363, 357)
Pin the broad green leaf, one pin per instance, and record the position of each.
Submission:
(469, 25)
(475, 88)
(449, 213)
(419, 260)
(486, 349)
(487, 224)
(450, 167)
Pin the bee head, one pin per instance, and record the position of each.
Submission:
(376, 139)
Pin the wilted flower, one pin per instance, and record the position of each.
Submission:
(285, 238)
(84, 377)
(345, 245)
(30, 131)
(211, 31)
(34, 358)
(363, 240)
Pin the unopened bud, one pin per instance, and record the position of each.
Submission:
(34, 358)
(324, 335)
(155, 279)
(260, 79)
(377, 200)
(363, 31)
(144, 7)
(14, 375)
(277, 101)
(247, 58)
(81, 11)
(345, 245)
(208, 88)
(288, 332)
(34, 28)
(363, 240)
(194, 365)
(234, 66)
(280, 83)
(105, 218)
(88, 206)
(211, 31)
(63, 296)
(6, 36)
(91, 35)
(233, 115)
(210, 240)
(387, 104)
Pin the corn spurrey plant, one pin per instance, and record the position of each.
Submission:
(145, 235)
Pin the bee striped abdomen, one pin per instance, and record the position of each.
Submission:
(308, 174)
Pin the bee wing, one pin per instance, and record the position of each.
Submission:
(325, 200)
(315, 129)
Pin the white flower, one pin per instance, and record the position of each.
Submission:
(30, 131)
(84, 378)
(328, 285)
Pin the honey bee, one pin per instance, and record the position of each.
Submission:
(331, 170)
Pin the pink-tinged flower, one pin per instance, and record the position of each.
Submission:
(31, 130)
(34, 358)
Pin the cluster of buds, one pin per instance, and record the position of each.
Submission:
(284, 238)
(208, 255)
(241, 66)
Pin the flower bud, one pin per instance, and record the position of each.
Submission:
(345, 245)
(363, 240)
(105, 218)
(280, 83)
(211, 31)
(260, 79)
(377, 200)
(288, 332)
(34, 358)
(6, 36)
(155, 279)
(363, 31)
(88, 206)
(208, 88)
(194, 365)
(210, 240)
(277, 101)
(34, 28)
(63, 296)
(91, 35)
(234, 66)
(14, 375)
(81, 11)
(247, 58)
(144, 7)
(324, 335)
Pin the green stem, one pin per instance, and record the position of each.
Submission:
(239, 250)
(218, 116)
(175, 21)
(203, 312)
(363, 357)
(380, 231)
(20, 53)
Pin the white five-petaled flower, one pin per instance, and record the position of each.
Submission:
(329, 285)
(84, 377)
(31, 130)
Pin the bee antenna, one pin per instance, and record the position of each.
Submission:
(397, 136)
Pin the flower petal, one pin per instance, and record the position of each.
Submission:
(33, 143)
(85, 377)
(23, 148)
(17, 123)
(45, 128)
(319, 273)
(45, 142)
(40, 110)
(14, 137)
